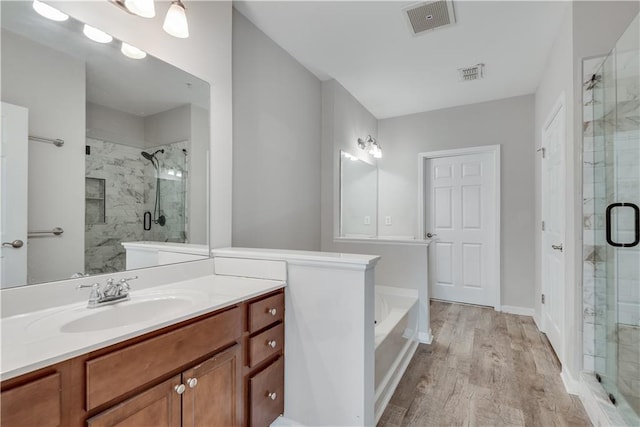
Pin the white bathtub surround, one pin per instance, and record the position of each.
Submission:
(149, 254)
(35, 339)
(330, 339)
(403, 264)
(396, 339)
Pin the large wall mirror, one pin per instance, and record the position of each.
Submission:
(98, 149)
(358, 197)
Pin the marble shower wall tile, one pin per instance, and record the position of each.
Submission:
(122, 170)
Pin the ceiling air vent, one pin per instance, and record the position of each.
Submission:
(424, 17)
(473, 72)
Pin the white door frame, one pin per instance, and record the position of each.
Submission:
(558, 107)
(493, 149)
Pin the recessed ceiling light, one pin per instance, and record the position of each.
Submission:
(49, 12)
(132, 51)
(96, 35)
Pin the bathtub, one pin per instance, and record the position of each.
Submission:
(396, 315)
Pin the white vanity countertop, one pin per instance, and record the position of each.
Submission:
(34, 340)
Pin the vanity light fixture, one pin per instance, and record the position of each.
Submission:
(350, 156)
(371, 146)
(143, 8)
(49, 12)
(175, 23)
(96, 35)
(132, 51)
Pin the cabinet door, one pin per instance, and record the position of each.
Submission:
(158, 407)
(33, 404)
(212, 397)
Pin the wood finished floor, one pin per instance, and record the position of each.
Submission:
(484, 368)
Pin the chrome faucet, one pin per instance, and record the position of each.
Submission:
(112, 293)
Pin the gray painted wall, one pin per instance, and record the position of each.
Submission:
(508, 122)
(276, 146)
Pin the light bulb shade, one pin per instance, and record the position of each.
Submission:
(132, 51)
(96, 35)
(49, 12)
(144, 8)
(175, 23)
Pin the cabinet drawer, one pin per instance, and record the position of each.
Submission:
(34, 404)
(124, 370)
(267, 394)
(266, 344)
(266, 312)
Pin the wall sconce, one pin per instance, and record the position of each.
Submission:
(175, 22)
(371, 146)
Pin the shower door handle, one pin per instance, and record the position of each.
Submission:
(636, 224)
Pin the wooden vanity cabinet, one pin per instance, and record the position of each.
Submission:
(264, 360)
(35, 403)
(221, 369)
(205, 395)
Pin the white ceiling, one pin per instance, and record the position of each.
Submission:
(368, 47)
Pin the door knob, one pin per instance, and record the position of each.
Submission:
(16, 244)
(430, 235)
(557, 247)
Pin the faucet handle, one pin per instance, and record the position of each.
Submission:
(95, 294)
(124, 284)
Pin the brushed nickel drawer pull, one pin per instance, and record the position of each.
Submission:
(180, 388)
(192, 382)
(272, 396)
(272, 343)
(272, 311)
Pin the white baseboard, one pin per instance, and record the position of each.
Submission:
(425, 337)
(570, 383)
(522, 311)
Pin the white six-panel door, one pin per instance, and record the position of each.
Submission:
(461, 213)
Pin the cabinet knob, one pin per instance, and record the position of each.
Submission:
(180, 388)
(272, 311)
(192, 382)
(272, 343)
(272, 395)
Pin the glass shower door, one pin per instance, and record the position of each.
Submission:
(617, 131)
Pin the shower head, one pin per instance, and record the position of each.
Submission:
(148, 156)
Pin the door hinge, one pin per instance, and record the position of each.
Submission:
(542, 299)
(543, 150)
(542, 225)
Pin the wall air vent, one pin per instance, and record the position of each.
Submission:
(473, 72)
(424, 17)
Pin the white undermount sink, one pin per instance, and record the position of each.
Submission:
(126, 313)
(142, 307)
